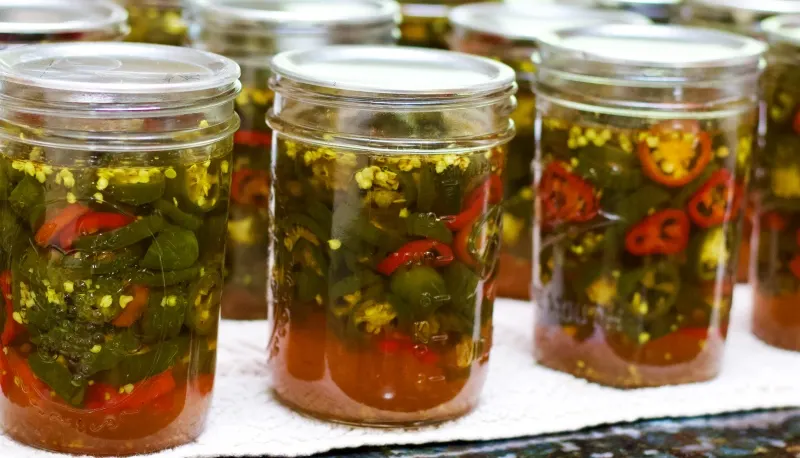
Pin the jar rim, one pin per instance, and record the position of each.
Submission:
(782, 29)
(393, 71)
(527, 23)
(754, 6)
(62, 17)
(104, 72)
(655, 47)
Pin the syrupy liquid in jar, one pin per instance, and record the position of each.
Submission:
(639, 229)
(383, 281)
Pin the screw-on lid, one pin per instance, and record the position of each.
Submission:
(114, 73)
(528, 22)
(27, 21)
(654, 46)
(782, 29)
(394, 71)
(763, 7)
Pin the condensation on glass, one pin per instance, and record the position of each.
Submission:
(642, 163)
(386, 185)
(508, 32)
(776, 268)
(37, 21)
(269, 27)
(114, 173)
(161, 22)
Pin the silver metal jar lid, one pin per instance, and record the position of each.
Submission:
(528, 22)
(782, 29)
(102, 74)
(306, 16)
(762, 7)
(654, 47)
(393, 71)
(24, 21)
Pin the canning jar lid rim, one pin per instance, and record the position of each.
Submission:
(375, 11)
(487, 16)
(114, 15)
(745, 51)
(754, 6)
(782, 29)
(394, 63)
(103, 58)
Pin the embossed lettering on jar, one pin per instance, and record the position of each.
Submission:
(114, 175)
(252, 33)
(386, 180)
(642, 164)
(508, 32)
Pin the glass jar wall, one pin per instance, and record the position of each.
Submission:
(113, 231)
(156, 21)
(640, 185)
(384, 242)
(776, 319)
(251, 34)
(425, 22)
(508, 33)
(658, 11)
(37, 21)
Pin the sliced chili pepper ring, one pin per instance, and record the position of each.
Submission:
(664, 232)
(676, 152)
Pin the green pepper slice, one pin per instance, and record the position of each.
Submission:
(136, 193)
(649, 292)
(708, 251)
(203, 311)
(164, 315)
(198, 187)
(99, 303)
(608, 167)
(151, 361)
(429, 226)
(27, 195)
(58, 378)
(103, 262)
(172, 249)
(165, 278)
(134, 232)
(177, 216)
(421, 288)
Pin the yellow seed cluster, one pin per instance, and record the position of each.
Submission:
(375, 315)
(452, 160)
(579, 138)
(34, 169)
(376, 176)
(124, 301)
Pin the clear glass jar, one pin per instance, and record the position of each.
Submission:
(776, 270)
(386, 180)
(642, 164)
(115, 172)
(251, 34)
(508, 33)
(425, 22)
(159, 22)
(738, 16)
(38, 21)
(658, 11)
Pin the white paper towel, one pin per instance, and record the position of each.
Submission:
(520, 398)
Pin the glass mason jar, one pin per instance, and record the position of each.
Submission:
(386, 184)
(508, 33)
(114, 174)
(156, 21)
(425, 22)
(642, 163)
(776, 274)
(37, 21)
(251, 33)
(658, 11)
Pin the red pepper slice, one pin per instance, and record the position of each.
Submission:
(18, 367)
(134, 309)
(10, 327)
(51, 228)
(566, 197)
(108, 398)
(417, 251)
(717, 201)
(664, 232)
(91, 223)
(474, 205)
(250, 187)
(252, 138)
(676, 160)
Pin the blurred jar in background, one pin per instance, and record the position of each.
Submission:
(39, 21)
(156, 21)
(251, 33)
(658, 11)
(509, 33)
(776, 282)
(425, 22)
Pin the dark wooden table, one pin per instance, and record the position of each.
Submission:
(768, 434)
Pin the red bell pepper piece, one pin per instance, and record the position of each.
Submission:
(50, 229)
(134, 309)
(91, 223)
(491, 190)
(664, 232)
(717, 201)
(10, 327)
(108, 398)
(250, 187)
(252, 138)
(675, 161)
(417, 251)
(461, 247)
(18, 367)
(566, 197)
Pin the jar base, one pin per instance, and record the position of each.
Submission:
(514, 277)
(776, 321)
